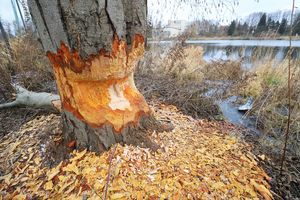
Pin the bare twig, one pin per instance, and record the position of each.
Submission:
(111, 156)
(289, 92)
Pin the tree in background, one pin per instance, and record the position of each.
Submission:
(231, 28)
(271, 25)
(282, 27)
(262, 24)
(296, 25)
(277, 24)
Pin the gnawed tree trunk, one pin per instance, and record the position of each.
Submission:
(101, 105)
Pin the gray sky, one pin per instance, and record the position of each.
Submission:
(248, 6)
(168, 9)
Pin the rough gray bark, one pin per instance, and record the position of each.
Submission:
(100, 139)
(88, 26)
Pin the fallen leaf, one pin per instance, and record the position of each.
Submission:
(54, 172)
(71, 144)
(48, 185)
(118, 195)
(262, 190)
(262, 157)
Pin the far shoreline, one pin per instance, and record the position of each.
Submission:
(244, 38)
(230, 38)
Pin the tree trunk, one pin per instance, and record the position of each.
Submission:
(101, 105)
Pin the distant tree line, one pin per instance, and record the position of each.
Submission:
(265, 26)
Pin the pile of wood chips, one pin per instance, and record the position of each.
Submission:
(199, 159)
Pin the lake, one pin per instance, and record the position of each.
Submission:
(246, 51)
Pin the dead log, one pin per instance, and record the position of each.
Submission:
(33, 99)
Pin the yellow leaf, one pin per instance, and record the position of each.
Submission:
(262, 190)
(235, 172)
(14, 146)
(23, 169)
(99, 185)
(54, 172)
(71, 168)
(30, 157)
(62, 178)
(6, 178)
(140, 195)
(64, 186)
(118, 195)
(19, 197)
(48, 185)
(71, 188)
(78, 155)
(37, 160)
(263, 157)
(24, 179)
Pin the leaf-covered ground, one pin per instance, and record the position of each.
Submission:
(199, 159)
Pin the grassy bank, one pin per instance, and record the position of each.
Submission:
(181, 77)
(267, 83)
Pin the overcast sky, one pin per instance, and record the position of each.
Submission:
(169, 9)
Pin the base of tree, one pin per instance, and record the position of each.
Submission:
(82, 135)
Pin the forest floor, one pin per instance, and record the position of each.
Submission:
(199, 159)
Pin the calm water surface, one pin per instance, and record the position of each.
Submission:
(246, 51)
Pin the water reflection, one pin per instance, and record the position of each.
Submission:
(246, 51)
(247, 54)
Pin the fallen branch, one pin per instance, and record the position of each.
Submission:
(34, 99)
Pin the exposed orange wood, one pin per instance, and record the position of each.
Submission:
(100, 89)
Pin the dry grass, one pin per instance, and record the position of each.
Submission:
(268, 84)
(6, 89)
(223, 71)
(179, 77)
(175, 78)
(29, 63)
(181, 63)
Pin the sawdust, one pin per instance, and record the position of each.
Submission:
(199, 159)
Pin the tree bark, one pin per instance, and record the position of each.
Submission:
(101, 105)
